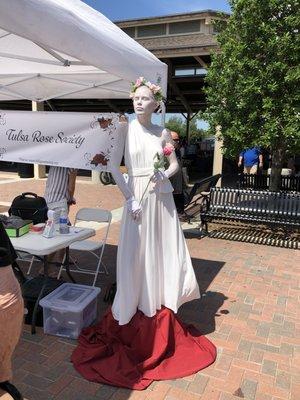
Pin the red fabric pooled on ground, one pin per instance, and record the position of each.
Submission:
(144, 350)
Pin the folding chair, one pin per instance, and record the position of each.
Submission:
(86, 216)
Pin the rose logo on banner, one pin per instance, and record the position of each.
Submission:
(106, 126)
(100, 159)
(104, 123)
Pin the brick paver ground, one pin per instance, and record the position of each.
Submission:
(250, 310)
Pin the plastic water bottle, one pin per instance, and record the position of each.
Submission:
(63, 224)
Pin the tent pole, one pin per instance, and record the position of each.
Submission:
(39, 170)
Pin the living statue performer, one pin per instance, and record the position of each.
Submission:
(140, 339)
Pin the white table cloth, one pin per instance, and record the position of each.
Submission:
(36, 244)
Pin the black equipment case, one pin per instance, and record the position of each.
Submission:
(29, 206)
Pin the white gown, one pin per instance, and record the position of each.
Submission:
(154, 267)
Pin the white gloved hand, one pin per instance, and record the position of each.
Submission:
(159, 176)
(134, 208)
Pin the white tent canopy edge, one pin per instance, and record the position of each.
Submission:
(66, 49)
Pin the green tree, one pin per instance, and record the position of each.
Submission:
(195, 133)
(178, 125)
(252, 83)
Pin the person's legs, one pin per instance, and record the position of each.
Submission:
(253, 169)
(11, 321)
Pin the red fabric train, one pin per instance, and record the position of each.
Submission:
(144, 350)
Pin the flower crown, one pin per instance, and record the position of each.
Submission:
(155, 89)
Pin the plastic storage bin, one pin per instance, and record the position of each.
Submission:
(68, 309)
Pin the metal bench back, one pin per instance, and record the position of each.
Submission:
(203, 186)
(236, 201)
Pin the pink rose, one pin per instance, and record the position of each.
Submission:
(139, 81)
(156, 89)
(168, 149)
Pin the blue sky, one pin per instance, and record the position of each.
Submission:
(129, 9)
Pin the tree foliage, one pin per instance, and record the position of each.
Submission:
(178, 125)
(253, 82)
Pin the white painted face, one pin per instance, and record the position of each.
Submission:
(144, 102)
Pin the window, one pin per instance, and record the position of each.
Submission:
(152, 30)
(130, 31)
(184, 27)
(190, 71)
(201, 71)
(184, 71)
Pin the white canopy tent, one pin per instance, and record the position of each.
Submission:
(65, 49)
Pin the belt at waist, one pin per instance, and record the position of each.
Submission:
(163, 187)
(140, 171)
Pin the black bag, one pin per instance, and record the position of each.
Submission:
(31, 290)
(29, 206)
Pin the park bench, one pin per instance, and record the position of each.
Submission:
(197, 196)
(261, 182)
(252, 206)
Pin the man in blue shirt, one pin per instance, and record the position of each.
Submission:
(252, 160)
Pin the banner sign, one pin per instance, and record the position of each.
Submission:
(65, 139)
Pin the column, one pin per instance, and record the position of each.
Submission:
(218, 155)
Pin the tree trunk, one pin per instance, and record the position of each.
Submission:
(277, 163)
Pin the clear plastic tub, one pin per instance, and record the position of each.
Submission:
(69, 309)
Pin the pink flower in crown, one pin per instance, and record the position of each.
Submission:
(139, 81)
(154, 88)
(168, 149)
